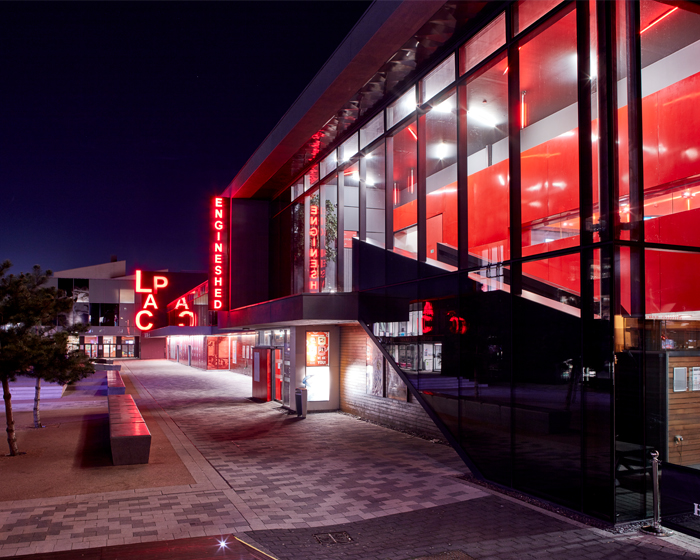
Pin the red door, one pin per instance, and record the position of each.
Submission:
(261, 374)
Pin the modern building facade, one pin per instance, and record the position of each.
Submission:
(482, 218)
(107, 303)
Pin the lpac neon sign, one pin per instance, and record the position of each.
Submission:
(144, 317)
(218, 262)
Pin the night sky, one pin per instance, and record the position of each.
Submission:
(119, 120)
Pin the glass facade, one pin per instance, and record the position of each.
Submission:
(528, 248)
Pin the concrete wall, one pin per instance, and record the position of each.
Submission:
(354, 399)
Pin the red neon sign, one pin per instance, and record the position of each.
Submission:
(139, 324)
(219, 254)
(145, 317)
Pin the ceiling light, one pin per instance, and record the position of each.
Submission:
(482, 117)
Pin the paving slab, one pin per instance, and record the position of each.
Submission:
(278, 482)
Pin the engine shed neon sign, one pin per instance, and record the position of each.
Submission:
(219, 229)
(144, 318)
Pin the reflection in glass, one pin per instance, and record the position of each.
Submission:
(483, 44)
(438, 79)
(401, 108)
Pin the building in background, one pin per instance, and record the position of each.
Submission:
(108, 303)
(483, 218)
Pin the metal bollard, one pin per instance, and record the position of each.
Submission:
(655, 528)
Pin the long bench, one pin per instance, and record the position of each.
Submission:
(115, 383)
(129, 437)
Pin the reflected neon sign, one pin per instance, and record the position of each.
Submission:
(314, 248)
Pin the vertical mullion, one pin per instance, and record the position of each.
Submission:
(462, 178)
(585, 165)
(421, 176)
(514, 126)
(389, 193)
(341, 232)
(607, 121)
(634, 116)
(363, 199)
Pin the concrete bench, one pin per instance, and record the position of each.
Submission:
(129, 437)
(106, 367)
(115, 383)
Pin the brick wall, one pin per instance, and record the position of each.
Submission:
(354, 399)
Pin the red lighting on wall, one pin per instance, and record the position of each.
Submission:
(219, 254)
(658, 19)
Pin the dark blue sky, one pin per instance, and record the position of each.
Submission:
(119, 120)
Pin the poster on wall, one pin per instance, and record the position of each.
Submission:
(680, 379)
(695, 379)
(317, 349)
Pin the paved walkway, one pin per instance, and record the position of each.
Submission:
(328, 486)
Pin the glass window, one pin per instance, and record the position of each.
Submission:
(311, 178)
(329, 164)
(375, 197)
(670, 41)
(438, 79)
(403, 148)
(548, 380)
(349, 148)
(483, 44)
(108, 314)
(351, 219)
(401, 108)
(126, 295)
(372, 130)
(329, 236)
(441, 184)
(549, 138)
(298, 246)
(528, 12)
(487, 164)
(297, 189)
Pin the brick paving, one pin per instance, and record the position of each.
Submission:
(276, 481)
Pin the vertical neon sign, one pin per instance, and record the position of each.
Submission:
(219, 219)
(148, 283)
(314, 248)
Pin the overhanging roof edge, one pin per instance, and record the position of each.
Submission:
(336, 81)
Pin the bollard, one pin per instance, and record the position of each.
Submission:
(655, 528)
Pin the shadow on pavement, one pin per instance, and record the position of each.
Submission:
(94, 449)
